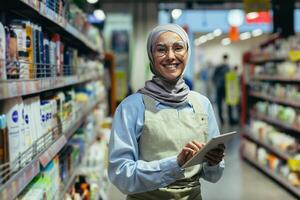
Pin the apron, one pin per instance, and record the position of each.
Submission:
(164, 134)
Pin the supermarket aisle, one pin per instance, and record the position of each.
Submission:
(240, 181)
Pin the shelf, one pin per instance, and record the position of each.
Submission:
(277, 78)
(261, 59)
(51, 22)
(247, 134)
(18, 181)
(76, 171)
(277, 178)
(276, 122)
(275, 99)
(10, 89)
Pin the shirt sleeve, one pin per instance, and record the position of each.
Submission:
(212, 173)
(128, 173)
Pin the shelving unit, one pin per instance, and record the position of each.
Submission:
(15, 185)
(277, 78)
(248, 135)
(52, 143)
(283, 101)
(253, 80)
(51, 22)
(280, 180)
(10, 89)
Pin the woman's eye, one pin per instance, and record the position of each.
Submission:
(178, 48)
(161, 50)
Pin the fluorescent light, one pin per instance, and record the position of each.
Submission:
(252, 15)
(99, 14)
(92, 1)
(203, 38)
(210, 36)
(245, 36)
(176, 13)
(257, 32)
(225, 41)
(217, 32)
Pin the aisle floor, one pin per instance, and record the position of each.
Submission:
(240, 181)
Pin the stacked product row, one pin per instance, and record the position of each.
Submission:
(56, 176)
(270, 137)
(279, 141)
(27, 52)
(65, 12)
(39, 119)
(285, 114)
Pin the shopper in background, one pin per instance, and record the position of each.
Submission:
(156, 130)
(219, 80)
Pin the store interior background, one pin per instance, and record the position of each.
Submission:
(256, 168)
(241, 180)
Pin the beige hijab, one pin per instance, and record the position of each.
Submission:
(170, 93)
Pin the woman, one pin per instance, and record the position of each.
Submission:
(156, 130)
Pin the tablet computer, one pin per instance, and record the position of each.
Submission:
(198, 158)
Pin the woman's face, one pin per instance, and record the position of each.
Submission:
(169, 55)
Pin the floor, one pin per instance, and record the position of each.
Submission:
(240, 181)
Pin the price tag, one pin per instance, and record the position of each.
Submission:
(294, 55)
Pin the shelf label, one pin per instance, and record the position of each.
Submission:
(294, 55)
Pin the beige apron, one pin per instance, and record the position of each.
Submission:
(165, 133)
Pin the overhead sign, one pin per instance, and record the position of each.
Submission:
(256, 5)
(258, 18)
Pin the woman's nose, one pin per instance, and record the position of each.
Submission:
(171, 54)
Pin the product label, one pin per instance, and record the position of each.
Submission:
(15, 116)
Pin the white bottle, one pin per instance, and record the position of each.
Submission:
(11, 109)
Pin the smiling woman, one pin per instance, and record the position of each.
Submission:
(159, 128)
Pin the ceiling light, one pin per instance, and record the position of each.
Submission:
(257, 32)
(176, 13)
(245, 36)
(217, 32)
(99, 14)
(252, 15)
(92, 1)
(225, 41)
(235, 17)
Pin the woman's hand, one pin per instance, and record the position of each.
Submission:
(188, 151)
(215, 156)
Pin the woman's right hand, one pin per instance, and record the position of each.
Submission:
(188, 151)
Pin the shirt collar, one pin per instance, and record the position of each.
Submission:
(157, 103)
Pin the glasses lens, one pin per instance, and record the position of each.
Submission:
(178, 48)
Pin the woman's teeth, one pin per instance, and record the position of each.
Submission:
(171, 66)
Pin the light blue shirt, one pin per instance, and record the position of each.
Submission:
(131, 175)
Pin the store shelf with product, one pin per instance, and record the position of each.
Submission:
(278, 100)
(51, 81)
(250, 136)
(271, 93)
(17, 182)
(52, 20)
(283, 182)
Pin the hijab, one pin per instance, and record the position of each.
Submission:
(173, 93)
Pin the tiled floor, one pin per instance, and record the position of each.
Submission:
(240, 181)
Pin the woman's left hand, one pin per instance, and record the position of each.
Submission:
(215, 156)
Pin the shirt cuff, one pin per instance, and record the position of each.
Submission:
(209, 168)
(171, 170)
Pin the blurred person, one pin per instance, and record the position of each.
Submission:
(219, 81)
(158, 129)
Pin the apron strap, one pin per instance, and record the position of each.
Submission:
(195, 103)
(150, 103)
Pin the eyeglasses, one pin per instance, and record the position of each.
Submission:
(178, 48)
